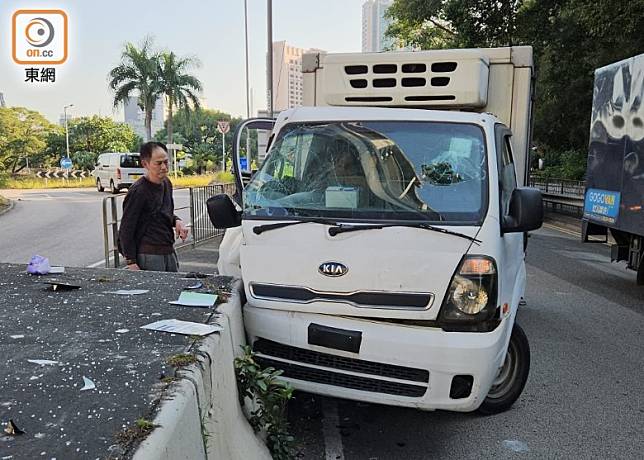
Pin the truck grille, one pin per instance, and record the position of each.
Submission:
(309, 374)
(366, 299)
(301, 355)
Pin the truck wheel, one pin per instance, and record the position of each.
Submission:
(512, 377)
(113, 189)
(640, 272)
(99, 187)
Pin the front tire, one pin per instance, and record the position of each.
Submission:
(113, 188)
(99, 186)
(512, 377)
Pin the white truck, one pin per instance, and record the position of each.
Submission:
(381, 243)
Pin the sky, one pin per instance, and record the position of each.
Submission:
(212, 31)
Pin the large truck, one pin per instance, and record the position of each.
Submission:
(614, 197)
(381, 243)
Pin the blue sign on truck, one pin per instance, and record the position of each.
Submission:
(602, 205)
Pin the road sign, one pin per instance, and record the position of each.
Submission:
(66, 163)
(243, 163)
(174, 146)
(223, 126)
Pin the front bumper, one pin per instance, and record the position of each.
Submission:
(397, 364)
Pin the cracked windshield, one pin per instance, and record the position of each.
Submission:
(411, 171)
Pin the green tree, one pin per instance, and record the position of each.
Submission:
(89, 136)
(570, 39)
(23, 137)
(138, 71)
(179, 87)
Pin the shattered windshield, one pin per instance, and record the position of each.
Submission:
(373, 170)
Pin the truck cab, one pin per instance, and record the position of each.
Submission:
(381, 242)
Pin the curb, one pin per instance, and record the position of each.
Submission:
(202, 418)
(7, 208)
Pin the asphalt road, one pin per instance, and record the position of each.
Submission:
(64, 225)
(583, 399)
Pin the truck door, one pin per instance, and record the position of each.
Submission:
(512, 243)
(250, 144)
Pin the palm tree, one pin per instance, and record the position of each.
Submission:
(179, 87)
(138, 71)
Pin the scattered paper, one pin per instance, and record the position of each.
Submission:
(43, 362)
(175, 326)
(12, 429)
(60, 286)
(122, 331)
(56, 270)
(89, 385)
(128, 291)
(195, 299)
(197, 285)
(515, 445)
(17, 336)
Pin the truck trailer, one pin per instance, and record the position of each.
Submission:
(614, 196)
(381, 243)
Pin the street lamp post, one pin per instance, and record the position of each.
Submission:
(66, 129)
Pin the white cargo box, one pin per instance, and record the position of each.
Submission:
(437, 78)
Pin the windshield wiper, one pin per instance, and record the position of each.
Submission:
(354, 228)
(259, 229)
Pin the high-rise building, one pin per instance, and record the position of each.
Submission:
(287, 75)
(3, 104)
(135, 116)
(374, 26)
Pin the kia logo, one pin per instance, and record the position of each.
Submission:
(334, 269)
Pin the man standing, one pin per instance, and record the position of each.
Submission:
(148, 225)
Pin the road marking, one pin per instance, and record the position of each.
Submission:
(561, 229)
(332, 439)
(96, 264)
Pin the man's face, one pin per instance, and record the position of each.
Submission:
(157, 166)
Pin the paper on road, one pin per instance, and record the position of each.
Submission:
(128, 291)
(195, 299)
(175, 326)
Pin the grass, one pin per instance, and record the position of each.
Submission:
(37, 182)
(181, 181)
(181, 360)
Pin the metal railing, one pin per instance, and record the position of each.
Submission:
(561, 195)
(201, 228)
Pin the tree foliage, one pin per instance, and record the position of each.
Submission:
(570, 38)
(137, 72)
(179, 87)
(23, 137)
(89, 136)
(197, 131)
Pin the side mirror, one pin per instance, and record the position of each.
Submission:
(222, 212)
(526, 211)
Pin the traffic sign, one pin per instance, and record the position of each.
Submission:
(66, 163)
(223, 126)
(243, 163)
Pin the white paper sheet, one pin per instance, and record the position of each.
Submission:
(195, 299)
(128, 291)
(56, 270)
(175, 326)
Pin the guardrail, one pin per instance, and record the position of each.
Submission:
(201, 228)
(561, 195)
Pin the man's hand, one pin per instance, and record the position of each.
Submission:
(133, 267)
(181, 230)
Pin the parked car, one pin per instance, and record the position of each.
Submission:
(117, 170)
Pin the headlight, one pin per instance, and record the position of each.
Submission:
(470, 303)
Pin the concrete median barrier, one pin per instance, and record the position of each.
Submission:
(202, 418)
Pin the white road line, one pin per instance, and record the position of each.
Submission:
(332, 439)
(96, 264)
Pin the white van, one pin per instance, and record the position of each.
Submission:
(117, 170)
(381, 244)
